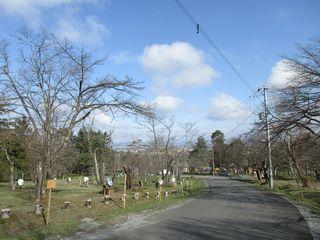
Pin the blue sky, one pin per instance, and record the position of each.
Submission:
(154, 42)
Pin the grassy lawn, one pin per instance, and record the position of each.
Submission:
(308, 197)
(25, 224)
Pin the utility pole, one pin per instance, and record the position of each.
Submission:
(213, 159)
(212, 162)
(268, 136)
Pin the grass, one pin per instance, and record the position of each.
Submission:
(25, 224)
(308, 197)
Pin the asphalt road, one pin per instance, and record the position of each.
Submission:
(229, 210)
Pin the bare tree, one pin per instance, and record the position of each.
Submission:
(168, 146)
(296, 117)
(53, 83)
(298, 105)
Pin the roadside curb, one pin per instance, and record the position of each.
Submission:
(312, 219)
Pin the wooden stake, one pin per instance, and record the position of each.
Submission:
(48, 208)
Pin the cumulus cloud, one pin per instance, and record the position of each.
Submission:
(104, 121)
(167, 103)
(226, 107)
(31, 10)
(179, 64)
(123, 57)
(280, 76)
(89, 31)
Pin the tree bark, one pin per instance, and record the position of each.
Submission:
(96, 166)
(12, 168)
(39, 183)
(127, 171)
(103, 173)
(12, 183)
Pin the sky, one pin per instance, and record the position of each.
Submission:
(154, 42)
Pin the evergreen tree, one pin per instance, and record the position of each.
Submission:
(200, 154)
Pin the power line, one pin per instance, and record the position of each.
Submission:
(241, 107)
(243, 122)
(206, 36)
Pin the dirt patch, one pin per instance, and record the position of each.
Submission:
(131, 221)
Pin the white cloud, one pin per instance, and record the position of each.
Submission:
(122, 57)
(31, 10)
(89, 31)
(179, 64)
(167, 103)
(122, 128)
(226, 107)
(280, 75)
(102, 120)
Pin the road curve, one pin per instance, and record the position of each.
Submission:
(229, 210)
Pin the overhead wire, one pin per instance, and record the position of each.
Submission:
(202, 31)
(242, 122)
(241, 107)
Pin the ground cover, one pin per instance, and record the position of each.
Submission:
(25, 224)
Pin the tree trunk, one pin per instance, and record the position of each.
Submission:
(258, 174)
(127, 171)
(39, 183)
(212, 160)
(220, 162)
(12, 183)
(304, 180)
(96, 166)
(103, 173)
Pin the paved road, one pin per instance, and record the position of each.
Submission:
(230, 210)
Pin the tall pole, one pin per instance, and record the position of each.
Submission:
(213, 142)
(212, 158)
(268, 136)
(48, 208)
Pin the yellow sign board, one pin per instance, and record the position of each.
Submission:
(51, 184)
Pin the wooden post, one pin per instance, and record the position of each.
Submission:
(182, 187)
(5, 213)
(88, 203)
(136, 196)
(147, 195)
(124, 190)
(191, 183)
(48, 208)
(107, 199)
(160, 192)
(51, 184)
